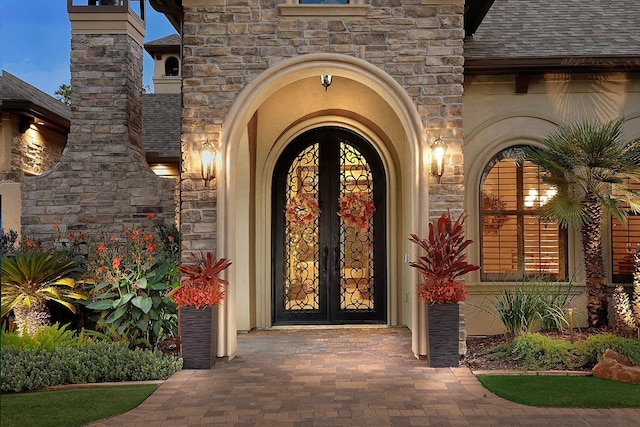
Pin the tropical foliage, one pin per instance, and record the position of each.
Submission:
(443, 262)
(33, 277)
(129, 277)
(591, 166)
(201, 287)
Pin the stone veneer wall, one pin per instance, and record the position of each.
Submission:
(103, 181)
(418, 43)
(32, 153)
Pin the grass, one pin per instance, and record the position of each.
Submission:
(70, 408)
(563, 391)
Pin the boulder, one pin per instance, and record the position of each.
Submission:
(615, 366)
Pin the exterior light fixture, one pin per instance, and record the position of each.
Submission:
(570, 308)
(438, 149)
(208, 159)
(325, 81)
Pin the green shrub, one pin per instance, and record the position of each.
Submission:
(592, 349)
(536, 352)
(31, 369)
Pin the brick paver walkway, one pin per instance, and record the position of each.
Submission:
(341, 377)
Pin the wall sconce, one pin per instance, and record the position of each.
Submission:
(25, 124)
(208, 159)
(438, 149)
(325, 81)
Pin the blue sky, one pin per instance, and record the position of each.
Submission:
(36, 40)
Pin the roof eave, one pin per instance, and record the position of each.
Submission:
(172, 9)
(543, 65)
(152, 49)
(29, 109)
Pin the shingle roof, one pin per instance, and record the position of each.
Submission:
(14, 91)
(557, 28)
(170, 40)
(167, 44)
(161, 125)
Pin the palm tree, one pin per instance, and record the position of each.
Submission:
(32, 278)
(591, 166)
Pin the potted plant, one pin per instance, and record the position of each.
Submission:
(440, 267)
(197, 298)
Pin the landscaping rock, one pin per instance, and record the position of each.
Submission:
(615, 366)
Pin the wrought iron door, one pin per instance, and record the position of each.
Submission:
(329, 262)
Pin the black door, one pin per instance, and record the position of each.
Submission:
(329, 231)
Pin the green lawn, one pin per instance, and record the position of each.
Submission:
(70, 408)
(563, 391)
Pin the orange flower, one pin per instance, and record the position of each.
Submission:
(71, 235)
(31, 245)
(148, 237)
(151, 215)
(112, 238)
(116, 263)
(56, 225)
(151, 248)
(101, 247)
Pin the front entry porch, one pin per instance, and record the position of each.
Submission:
(340, 377)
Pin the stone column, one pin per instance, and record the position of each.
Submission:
(103, 181)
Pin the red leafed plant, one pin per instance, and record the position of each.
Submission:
(444, 261)
(201, 287)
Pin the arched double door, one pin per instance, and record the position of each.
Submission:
(329, 231)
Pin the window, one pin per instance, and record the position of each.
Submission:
(171, 66)
(515, 242)
(624, 244)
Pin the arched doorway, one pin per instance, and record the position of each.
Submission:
(329, 231)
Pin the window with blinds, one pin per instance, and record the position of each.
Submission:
(624, 244)
(515, 241)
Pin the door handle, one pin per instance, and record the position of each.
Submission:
(336, 259)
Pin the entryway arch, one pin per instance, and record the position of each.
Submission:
(269, 113)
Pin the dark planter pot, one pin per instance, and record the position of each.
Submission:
(443, 328)
(198, 337)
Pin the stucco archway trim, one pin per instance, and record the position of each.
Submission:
(481, 145)
(235, 131)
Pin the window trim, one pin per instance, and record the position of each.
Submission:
(354, 8)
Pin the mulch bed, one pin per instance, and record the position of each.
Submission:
(476, 345)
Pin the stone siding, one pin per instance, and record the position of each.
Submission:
(31, 154)
(103, 181)
(226, 47)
